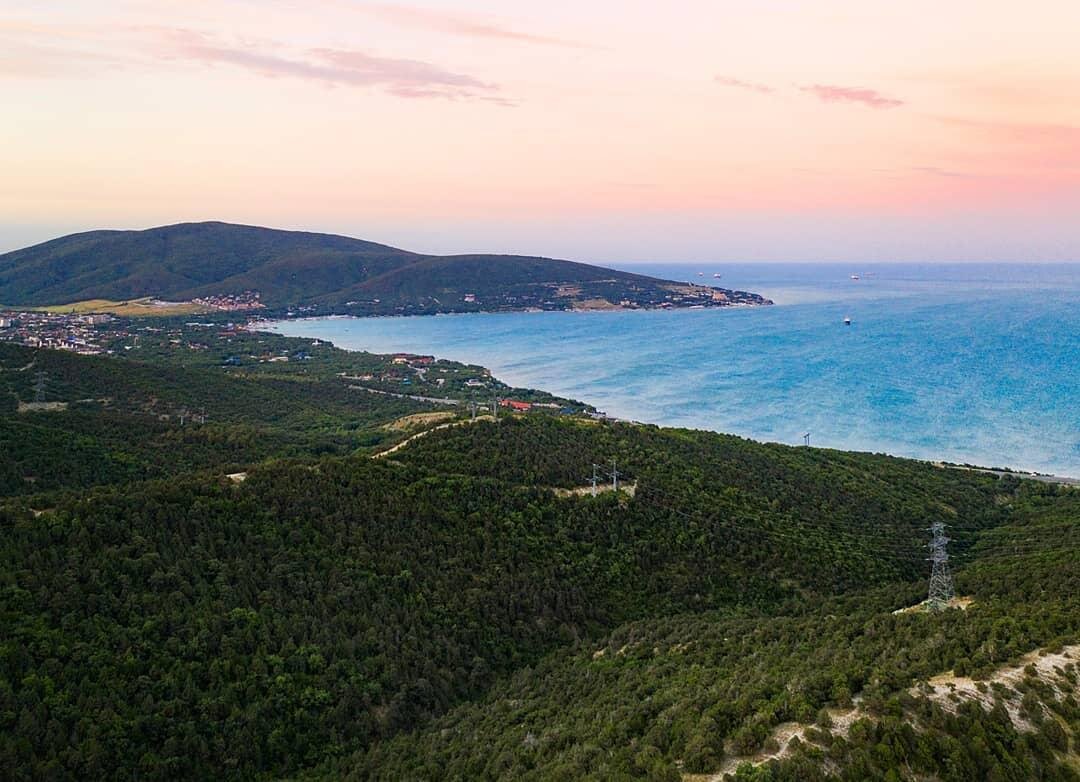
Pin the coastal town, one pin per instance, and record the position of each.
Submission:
(85, 334)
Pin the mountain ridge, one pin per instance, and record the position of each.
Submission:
(323, 272)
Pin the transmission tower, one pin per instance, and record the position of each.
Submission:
(941, 585)
(806, 439)
(595, 476)
(472, 408)
(39, 387)
(614, 477)
(495, 407)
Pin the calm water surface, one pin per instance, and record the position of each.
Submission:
(968, 363)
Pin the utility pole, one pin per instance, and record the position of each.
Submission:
(39, 387)
(941, 584)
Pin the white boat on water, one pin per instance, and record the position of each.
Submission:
(847, 320)
(854, 276)
(716, 276)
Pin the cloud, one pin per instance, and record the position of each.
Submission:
(22, 61)
(57, 51)
(825, 92)
(830, 93)
(764, 89)
(460, 24)
(32, 50)
(938, 171)
(352, 68)
(1027, 145)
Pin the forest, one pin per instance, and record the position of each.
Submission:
(466, 608)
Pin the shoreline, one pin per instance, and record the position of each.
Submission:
(506, 376)
(253, 318)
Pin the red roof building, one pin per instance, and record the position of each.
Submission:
(513, 404)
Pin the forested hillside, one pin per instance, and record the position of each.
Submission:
(195, 398)
(465, 608)
(319, 272)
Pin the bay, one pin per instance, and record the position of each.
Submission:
(970, 363)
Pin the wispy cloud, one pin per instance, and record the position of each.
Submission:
(943, 172)
(401, 77)
(60, 51)
(830, 93)
(764, 89)
(1033, 145)
(36, 50)
(461, 24)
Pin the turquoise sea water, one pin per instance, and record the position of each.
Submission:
(967, 363)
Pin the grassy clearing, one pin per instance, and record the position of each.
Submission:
(133, 308)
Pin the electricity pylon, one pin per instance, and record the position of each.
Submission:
(941, 584)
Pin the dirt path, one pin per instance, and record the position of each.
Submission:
(1061, 480)
(425, 433)
(581, 491)
(434, 400)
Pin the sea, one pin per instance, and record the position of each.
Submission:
(967, 363)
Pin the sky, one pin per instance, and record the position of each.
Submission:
(604, 131)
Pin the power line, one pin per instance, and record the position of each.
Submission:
(841, 537)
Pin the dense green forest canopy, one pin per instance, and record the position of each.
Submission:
(295, 268)
(196, 397)
(465, 608)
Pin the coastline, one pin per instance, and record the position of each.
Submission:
(509, 375)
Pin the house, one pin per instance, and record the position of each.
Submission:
(513, 404)
(470, 298)
(412, 358)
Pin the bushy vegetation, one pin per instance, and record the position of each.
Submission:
(133, 420)
(445, 614)
(681, 692)
(177, 402)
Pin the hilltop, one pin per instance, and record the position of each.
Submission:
(313, 272)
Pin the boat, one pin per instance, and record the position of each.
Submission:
(847, 321)
(854, 276)
(701, 274)
(716, 276)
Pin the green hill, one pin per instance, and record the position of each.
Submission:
(320, 271)
(459, 609)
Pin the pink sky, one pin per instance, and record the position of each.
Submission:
(603, 131)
